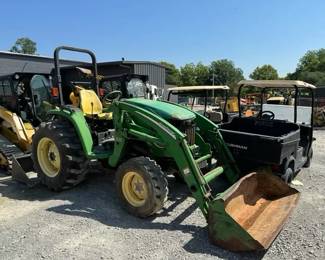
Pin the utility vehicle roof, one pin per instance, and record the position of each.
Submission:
(197, 88)
(276, 83)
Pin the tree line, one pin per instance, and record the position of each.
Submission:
(310, 68)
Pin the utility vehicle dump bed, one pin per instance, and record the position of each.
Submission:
(258, 140)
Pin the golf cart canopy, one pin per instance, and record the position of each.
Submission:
(276, 84)
(196, 88)
(285, 111)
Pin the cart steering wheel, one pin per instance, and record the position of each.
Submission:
(111, 96)
(269, 115)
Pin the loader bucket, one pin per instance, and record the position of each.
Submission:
(251, 213)
(23, 171)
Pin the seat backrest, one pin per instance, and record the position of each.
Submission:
(89, 102)
(74, 99)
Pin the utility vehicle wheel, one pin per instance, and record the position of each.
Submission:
(288, 175)
(142, 186)
(309, 158)
(58, 156)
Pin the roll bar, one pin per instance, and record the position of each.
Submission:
(58, 73)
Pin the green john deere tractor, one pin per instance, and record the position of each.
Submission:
(144, 139)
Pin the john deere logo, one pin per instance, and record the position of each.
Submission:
(242, 147)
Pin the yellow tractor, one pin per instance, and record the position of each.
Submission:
(24, 98)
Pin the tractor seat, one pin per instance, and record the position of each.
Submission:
(91, 105)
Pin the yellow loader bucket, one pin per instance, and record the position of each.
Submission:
(251, 213)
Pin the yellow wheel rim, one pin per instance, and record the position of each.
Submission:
(48, 157)
(134, 189)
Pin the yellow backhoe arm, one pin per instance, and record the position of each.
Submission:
(14, 129)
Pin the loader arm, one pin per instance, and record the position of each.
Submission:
(239, 218)
(209, 131)
(165, 140)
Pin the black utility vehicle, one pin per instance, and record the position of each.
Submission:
(279, 135)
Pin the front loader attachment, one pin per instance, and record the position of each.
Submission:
(250, 214)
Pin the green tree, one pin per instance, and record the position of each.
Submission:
(195, 74)
(224, 72)
(202, 74)
(311, 68)
(265, 72)
(312, 61)
(24, 45)
(172, 74)
(188, 75)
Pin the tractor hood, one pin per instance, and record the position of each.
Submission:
(166, 110)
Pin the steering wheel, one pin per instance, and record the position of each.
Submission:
(269, 115)
(111, 96)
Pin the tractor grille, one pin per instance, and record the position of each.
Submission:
(190, 134)
(188, 128)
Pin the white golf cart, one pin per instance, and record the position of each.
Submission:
(209, 101)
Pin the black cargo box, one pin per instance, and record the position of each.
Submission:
(261, 141)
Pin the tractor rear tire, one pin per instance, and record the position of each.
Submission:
(58, 155)
(142, 186)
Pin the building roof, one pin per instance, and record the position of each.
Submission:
(47, 58)
(34, 57)
(127, 62)
(17, 62)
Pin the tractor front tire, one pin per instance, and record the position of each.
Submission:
(142, 186)
(58, 156)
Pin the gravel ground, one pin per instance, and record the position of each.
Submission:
(88, 223)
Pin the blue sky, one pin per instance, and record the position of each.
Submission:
(250, 32)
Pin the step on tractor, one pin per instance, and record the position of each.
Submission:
(143, 139)
(24, 100)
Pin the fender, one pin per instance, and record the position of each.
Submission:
(76, 117)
